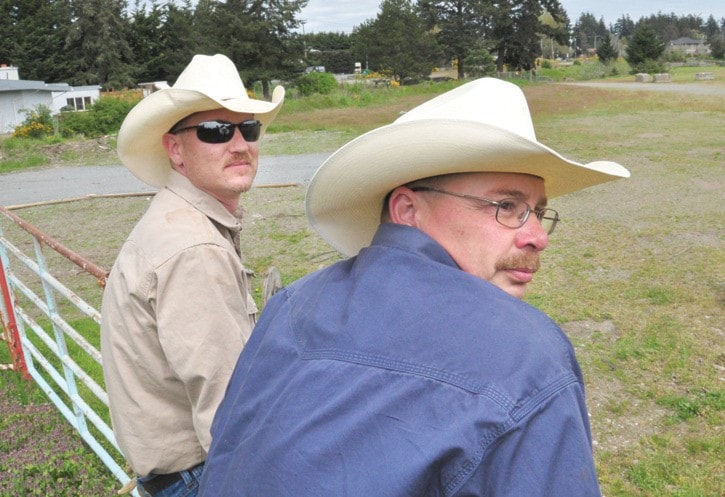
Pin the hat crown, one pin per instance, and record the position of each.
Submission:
(481, 126)
(213, 75)
(485, 101)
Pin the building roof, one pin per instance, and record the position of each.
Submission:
(686, 41)
(27, 85)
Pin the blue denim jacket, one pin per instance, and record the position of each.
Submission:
(395, 373)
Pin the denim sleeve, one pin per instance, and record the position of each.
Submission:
(548, 453)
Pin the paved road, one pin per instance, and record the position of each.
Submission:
(68, 182)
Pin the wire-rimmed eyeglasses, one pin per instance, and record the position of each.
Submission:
(510, 212)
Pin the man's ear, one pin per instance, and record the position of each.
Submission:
(403, 205)
(172, 145)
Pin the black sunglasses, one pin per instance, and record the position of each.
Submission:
(218, 132)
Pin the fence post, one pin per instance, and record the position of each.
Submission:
(9, 321)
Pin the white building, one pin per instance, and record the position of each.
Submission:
(18, 96)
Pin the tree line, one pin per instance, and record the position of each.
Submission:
(118, 45)
(588, 33)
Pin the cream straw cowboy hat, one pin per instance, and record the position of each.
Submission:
(208, 82)
(481, 126)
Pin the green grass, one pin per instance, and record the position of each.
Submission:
(686, 74)
(635, 272)
(40, 453)
(586, 71)
(21, 153)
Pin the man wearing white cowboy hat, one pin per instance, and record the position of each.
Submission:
(176, 310)
(413, 368)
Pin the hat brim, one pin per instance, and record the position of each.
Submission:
(345, 195)
(140, 145)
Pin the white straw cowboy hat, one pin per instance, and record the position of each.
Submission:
(208, 82)
(482, 126)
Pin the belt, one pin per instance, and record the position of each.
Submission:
(160, 482)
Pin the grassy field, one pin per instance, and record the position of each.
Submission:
(635, 274)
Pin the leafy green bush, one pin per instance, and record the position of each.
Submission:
(649, 67)
(103, 118)
(584, 71)
(38, 123)
(677, 55)
(316, 82)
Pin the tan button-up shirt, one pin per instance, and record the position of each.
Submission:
(176, 313)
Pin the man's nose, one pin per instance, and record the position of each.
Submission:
(533, 234)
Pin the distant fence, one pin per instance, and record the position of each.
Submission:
(53, 334)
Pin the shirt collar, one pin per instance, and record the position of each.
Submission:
(413, 240)
(205, 203)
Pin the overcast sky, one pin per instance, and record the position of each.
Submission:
(343, 15)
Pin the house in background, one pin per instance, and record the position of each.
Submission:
(18, 96)
(153, 86)
(690, 46)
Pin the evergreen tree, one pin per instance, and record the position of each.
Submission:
(36, 38)
(623, 27)
(144, 40)
(606, 51)
(460, 25)
(555, 32)
(179, 40)
(396, 42)
(517, 28)
(480, 63)
(717, 48)
(716, 37)
(331, 50)
(8, 45)
(328, 41)
(163, 40)
(645, 49)
(511, 29)
(206, 27)
(664, 26)
(711, 27)
(257, 35)
(97, 44)
(587, 33)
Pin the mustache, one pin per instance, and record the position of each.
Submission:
(242, 156)
(530, 262)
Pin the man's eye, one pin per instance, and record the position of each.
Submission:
(507, 205)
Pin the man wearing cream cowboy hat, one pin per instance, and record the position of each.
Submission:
(413, 368)
(176, 310)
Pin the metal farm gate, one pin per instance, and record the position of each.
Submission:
(53, 336)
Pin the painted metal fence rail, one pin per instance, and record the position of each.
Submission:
(41, 351)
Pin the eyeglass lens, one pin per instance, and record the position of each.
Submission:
(548, 219)
(216, 132)
(510, 212)
(514, 213)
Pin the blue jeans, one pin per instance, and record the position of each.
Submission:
(187, 486)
